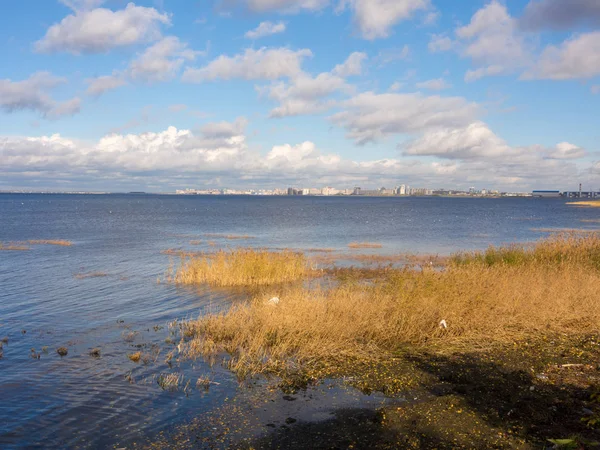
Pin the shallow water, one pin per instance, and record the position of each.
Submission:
(48, 300)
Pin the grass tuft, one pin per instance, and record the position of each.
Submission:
(241, 267)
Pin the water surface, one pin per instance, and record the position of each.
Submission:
(48, 298)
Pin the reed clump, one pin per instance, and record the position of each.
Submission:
(241, 267)
(13, 247)
(468, 306)
(586, 204)
(61, 242)
(575, 249)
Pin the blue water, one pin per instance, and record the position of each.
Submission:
(86, 402)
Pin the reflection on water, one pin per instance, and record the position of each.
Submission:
(107, 291)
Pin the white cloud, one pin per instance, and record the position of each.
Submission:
(475, 140)
(440, 43)
(565, 150)
(32, 94)
(375, 18)
(352, 66)
(100, 30)
(162, 61)
(474, 75)
(225, 129)
(560, 14)
(66, 108)
(99, 85)
(437, 84)
(265, 29)
(284, 6)
(577, 57)
(370, 117)
(261, 64)
(493, 42)
(304, 94)
(173, 159)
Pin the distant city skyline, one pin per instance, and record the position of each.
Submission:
(154, 95)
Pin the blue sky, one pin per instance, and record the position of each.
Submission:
(160, 95)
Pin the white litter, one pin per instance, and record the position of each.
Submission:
(443, 324)
(274, 301)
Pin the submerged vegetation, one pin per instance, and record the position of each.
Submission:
(241, 267)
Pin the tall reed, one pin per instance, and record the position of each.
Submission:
(241, 267)
(481, 304)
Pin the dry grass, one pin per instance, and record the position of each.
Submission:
(364, 245)
(325, 331)
(241, 267)
(61, 242)
(586, 204)
(579, 250)
(13, 247)
(195, 242)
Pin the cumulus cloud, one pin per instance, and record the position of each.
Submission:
(225, 129)
(162, 61)
(440, 43)
(369, 117)
(176, 158)
(493, 42)
(352, 66)
(565, 150)
(376, 18)
(100, 30)
(304, 94)
(261, 64)
(283, 6)
(560, 14)
(99, 85)
(477, 142)
(32, 94)
(437, 84)
(265, 29)
(577, 57)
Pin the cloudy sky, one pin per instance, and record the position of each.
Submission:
(164, 94)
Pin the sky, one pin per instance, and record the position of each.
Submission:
(159, 95)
